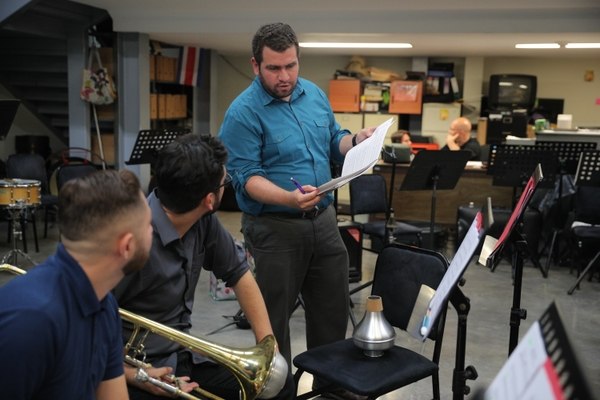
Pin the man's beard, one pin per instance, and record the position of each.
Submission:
(275, 94)
(137, 262)
(215, 206)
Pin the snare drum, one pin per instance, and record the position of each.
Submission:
(20, 192)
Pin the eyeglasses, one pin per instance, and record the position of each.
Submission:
(226, 181)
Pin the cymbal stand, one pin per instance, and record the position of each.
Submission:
(16, 212)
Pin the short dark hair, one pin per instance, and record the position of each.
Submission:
(188, 169)
(278, 37)
(91, 203)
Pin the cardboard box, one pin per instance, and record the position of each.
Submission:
(158, 106)
(163, 69)
(108, 146)
(406, 97)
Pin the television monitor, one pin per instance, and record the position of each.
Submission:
(512, 91)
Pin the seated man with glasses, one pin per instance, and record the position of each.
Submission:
(190, 177)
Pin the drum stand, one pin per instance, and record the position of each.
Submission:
(11, 257)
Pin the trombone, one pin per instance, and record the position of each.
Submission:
(260, 370)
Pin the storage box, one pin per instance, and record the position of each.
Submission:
(217, 288)
(158, 106)
(163, 69)
(108, 146)
(406, 97)
(344, 95)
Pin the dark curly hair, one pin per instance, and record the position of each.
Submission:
(278, 37)
(188, 169)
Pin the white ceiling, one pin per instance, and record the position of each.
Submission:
(434, 27)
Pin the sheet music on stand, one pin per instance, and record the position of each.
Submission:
(492, 247)
(544, 366)
(150, 141)
(511, 165)
(421, 321)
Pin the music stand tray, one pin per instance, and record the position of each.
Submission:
(150, 141)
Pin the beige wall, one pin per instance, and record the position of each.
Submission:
(557, 78)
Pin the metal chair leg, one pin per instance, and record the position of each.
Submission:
(585, 271)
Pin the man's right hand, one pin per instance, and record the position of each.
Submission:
(162, 373)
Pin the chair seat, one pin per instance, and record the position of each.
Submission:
(345, 365)
(377, 228)
(587, 232)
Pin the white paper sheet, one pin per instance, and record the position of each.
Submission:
(455, 270)
(360, 158)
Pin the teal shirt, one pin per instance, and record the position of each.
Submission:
(278, 140)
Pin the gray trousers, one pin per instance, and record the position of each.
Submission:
(296, 256)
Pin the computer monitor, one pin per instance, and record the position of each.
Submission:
(549, 108)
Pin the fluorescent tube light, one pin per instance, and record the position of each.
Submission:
(339, 45)
(582, 45)
(537, 46)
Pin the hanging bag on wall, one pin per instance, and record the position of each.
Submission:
(98, 87)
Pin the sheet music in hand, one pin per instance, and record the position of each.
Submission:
(360, 158)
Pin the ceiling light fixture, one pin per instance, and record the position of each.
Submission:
(537, 46)
(582, 45)
(339, 45)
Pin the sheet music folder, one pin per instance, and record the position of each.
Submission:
(543, 366)
(492, 247)
(429, 301)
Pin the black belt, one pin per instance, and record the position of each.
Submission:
(312, 214)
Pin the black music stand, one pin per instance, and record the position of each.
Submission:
(568, 157)
(512, 235)
(588, 174)
(435, 170)
(512, 165)
(150, 141)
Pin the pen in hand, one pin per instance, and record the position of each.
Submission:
(295, 182)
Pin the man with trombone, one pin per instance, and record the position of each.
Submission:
(190, 177)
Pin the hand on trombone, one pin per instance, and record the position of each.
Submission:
(150, 376)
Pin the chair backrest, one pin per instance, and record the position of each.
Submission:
(28, 166)
(399, 273)
(72, 171)
(587, 205)
(368, 194)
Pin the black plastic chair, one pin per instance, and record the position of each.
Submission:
(74, 170)
(399, 273)
(585, 231)
(368, 195)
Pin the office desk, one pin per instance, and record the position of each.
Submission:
(474, 185)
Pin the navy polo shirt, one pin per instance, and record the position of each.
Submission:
(57, 341)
